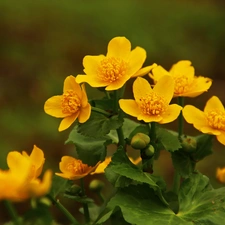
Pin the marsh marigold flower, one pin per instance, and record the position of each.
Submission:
(220, 174)
(21, 181)
(74, 169)
(211, 121)
(72, 104)
(113, 70)
(152, 105)
(186, 83)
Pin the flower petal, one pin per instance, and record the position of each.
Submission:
(84, 99)
(91, 63)
(141, 87)
(149, 118)
(53, 106)
(144, 71)
(119, 47)
(117, 84)
(130, 107)
(85, 113)
(71, 84)
(183, 67)
(136, 60)
(213, 103)
(209, 130)
(92, 80)
(221, 137)
(67, 121)
(165, 88)
(171, 114)
(63, 165)
(157, 73)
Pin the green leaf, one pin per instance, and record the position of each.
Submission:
(89, 150)
(122, 166)
(81, 199)
(183, 163)
(103, 103)
(168, 140)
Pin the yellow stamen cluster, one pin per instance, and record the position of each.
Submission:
(182, 84)
(111, 69)
(216, 119)
(71, 102)
(77, 167)
(153, 104)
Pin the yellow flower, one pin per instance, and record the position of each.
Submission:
(152, 105)
(21, 181)
(72, 104)
(119, 65)
(211, 121)
(186, 83)
(220, 174)
(74, 169)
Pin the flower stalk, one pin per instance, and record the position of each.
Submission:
(85, 205)
(12, 212)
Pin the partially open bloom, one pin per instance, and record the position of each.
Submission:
(113, 70)
(152, 105)
(74, 169)
(72, 104)
(211, 121)
(186, 83)
(21, 181)
(220, 174)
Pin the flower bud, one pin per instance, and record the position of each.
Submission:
(96, 185)
(73, 190)
(189, 144)
(140, 141)
(149, 151)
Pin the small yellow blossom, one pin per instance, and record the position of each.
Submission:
(186, 83)
(74, 169)
(152, 105)
(119, 65)
(72, 104)
(21, 181)
(211, 121)
(220, 174)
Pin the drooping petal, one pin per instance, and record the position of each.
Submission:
(91, 63)
(85, 113)
(92, 80)
(130, 107)
(136, 59)
(119, 47)
(141, 88)
(53, 106)
(145, 70)
(171, 114)
(212, 104)
(157, 73)
(165, 87)
(148, 118)
(67, 121)
(71, 84)
(221, 137)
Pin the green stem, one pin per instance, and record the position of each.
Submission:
(180, 119)
(115, 102)
(121, 137)
(153, 132)
(95, 109)
(68, 215)
(12, 212)
(85, 205)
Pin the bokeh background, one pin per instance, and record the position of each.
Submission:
(42, 42)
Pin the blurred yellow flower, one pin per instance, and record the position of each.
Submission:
(119, 65)
(220, 174)
(186, 83)
(74, 169)
(21, 181)
(72, 104)
(211, 121)
(152, 105)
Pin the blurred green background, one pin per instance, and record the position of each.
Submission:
(43, 41)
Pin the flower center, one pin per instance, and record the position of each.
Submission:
(111, 69)
(70, 103)
(216, 119)
(77, 167)
(153, 104)
(182, 84)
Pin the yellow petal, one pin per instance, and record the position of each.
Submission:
(144, 71)
(91, 64)
(212, 104)
(117, 84)
(136, 59)
(183, 67)
(119, 47)
(165, 88)
(85, 113)
(148, 118)
(209, 130)
(63, 165)
(130, 107)
(221, 137)
(220, 174)
(67, 121)
(157, 73)
(92, 80)
(53, 106)
(141, 88)
(171, 114)
(84, 99)
(71, 84)
(101, 167)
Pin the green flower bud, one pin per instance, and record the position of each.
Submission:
(96, 185)
(73, 190)
(189, 144)
(149, 151)
(140, 141)
(46, 201)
